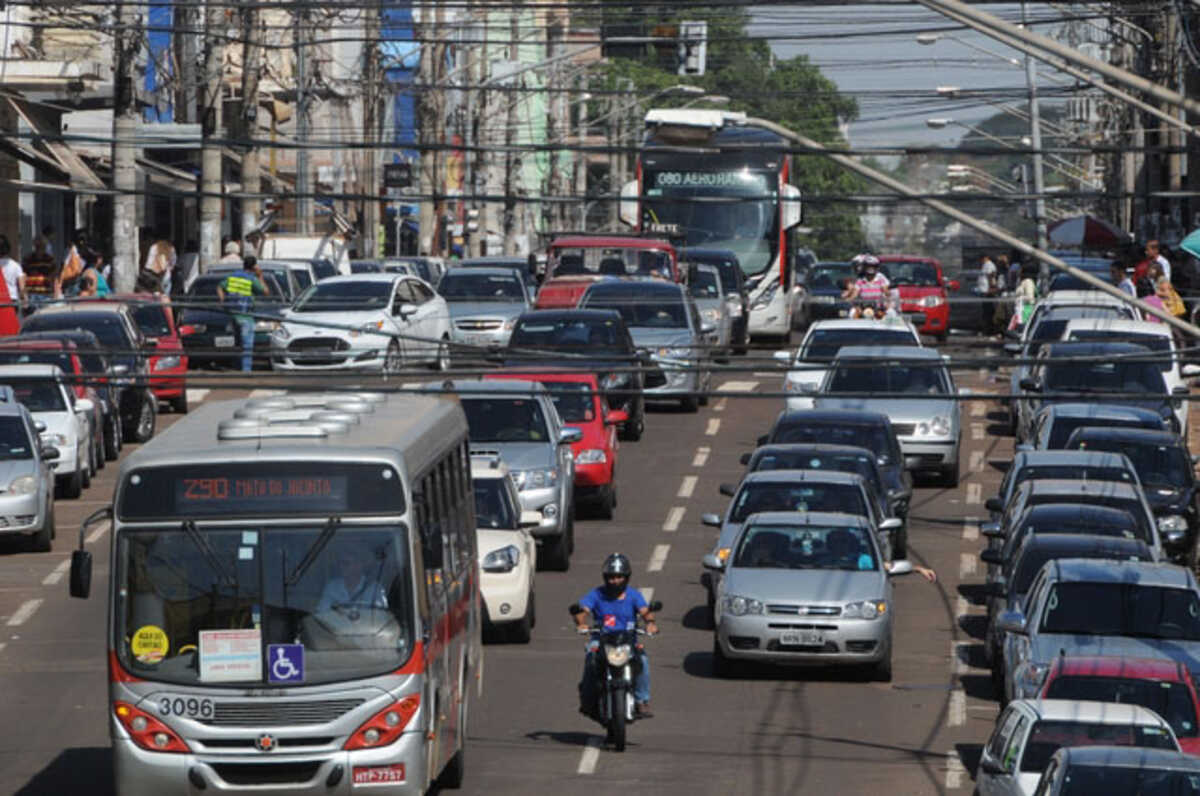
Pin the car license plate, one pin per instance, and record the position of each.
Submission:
(804, 638)
(224, 341)
(843, 313)
(378, 775)
(477, 339)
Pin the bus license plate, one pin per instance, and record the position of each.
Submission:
(224, 341)
(805, 638)
(378, 775)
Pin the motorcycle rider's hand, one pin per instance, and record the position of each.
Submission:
(582, 630)
(652, 628)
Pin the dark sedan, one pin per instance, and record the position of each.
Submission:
(823, 286)
(210, 335)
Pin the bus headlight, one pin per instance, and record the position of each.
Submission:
(768, 295)
(503, 560)
(385, 726)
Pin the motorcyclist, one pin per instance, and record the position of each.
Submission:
(614, 605)
(869, 291)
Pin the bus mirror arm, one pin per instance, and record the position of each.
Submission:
(81, 559)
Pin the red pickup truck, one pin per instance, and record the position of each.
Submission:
(575, 263)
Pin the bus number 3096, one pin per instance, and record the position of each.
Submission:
(189, 707)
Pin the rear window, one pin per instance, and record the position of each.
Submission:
(14, 440)
(1172, 701)
(152, 320)
(1047, 737)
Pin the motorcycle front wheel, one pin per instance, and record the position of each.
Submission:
(616, 719)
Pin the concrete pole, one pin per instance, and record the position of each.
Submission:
(371, 136)
(472, 133)
(425, 137)
(211, 203)
(251, 56)
(303, 183)
(124, 151)
(510, 123)
(581, 157)
(1035, 135)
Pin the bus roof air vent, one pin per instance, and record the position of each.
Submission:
(689, 125)
(246, 429)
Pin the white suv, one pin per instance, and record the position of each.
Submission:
(41, 389)
(507, 551)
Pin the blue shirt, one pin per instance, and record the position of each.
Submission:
(618, 614)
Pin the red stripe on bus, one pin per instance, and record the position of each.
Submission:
(416, 661)
(117, 673)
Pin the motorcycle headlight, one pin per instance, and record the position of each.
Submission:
(929, 302)
(618, 654)
(503, 560)
(535, 479)
(865, 609)
(711, 315)
(1172, 522)
(23, 485)
(166, 363)
(1030, 679)
(741, 606)
(591, 456)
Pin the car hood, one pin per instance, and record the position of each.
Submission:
(647, 337)
(805, 585)
(57, 422)
(15, 468)
(907, 409)
(810, 373)
(594, 435)
(520, 455)
(329, 323)
(1047, 645)
(485, 309)
(710, 304)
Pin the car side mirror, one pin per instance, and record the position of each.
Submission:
(85, 405)
(783, 356)
(745, 459)
(712, 520)
(566, 436)
(993, 504)
(761, 440)
(39, 426)
(1190, 371)
(891, 524)
(713, 562)
(953, 285)
(50, 453)
(728, 490)
(1030, 385)
(995, 589)
(991, 557)
(707, 328)
(404, 310)
(901, 566)
(991, 530)
(1011, 622)
(616, 416)
(989, 766)
(530, 519)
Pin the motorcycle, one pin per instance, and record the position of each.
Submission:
(616, 653)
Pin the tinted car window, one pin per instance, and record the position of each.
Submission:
(829, 277)
(756, 497)
(872, 437)
(1090, 780)
(1156, 465)
(1154, 342)
(1172, 701)
(38, 395)
(913, 274)
(575, 333)
(480, 287)
(805, 547)
(107, 328)
(43, 357)
(871, 376)
(1122, 609)
(344, 297)
(493, 509)
(1112, 375)
(151, 319)
(505, 420)
(660, 313)
(1060, 432)
(704, 285)
(840, 462)
(1047, 737)
(824, 344)
(14, 439)
(574, 401)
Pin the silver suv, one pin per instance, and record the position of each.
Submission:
(517, 421)
(26, 480)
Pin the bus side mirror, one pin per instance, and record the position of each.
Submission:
(628, 210)
(431, 550)
(791, 206)
(81, 574)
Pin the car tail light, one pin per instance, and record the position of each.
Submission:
(186, 329)
(147, 731)
(385, 726)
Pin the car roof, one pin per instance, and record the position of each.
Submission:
(1119, 325)
(858, 323)
(728, 256)
(1062, 486)
(858, 417)
(888, 352)
(825, 448)
(609, 241)
(1129, 757)
(386, 277)
(1080, 297)
(1108, 515)
(492, 387)
(59, 334)
(1081, 710)
(1062, 545)
(494, 260)
(806, 518)
(1116, 666)
(21, 343)
(1141, 573)
(30, 370)
(1091, 348)
(1101, 411)
(82, 308)
(1131, 436)
(803, 476)
(907, 258)
(570, 315)
(1068, 457)
(479, 270)
(548, 376)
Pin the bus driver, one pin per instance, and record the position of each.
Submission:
(354, 588)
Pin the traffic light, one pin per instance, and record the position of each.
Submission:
(693, 47)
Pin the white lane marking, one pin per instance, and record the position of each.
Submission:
(687, 487)
(591, 756)
(701, 457)
(976, 463)
(978, 409)
(264, 393)
(970, 529)
(738, 386)
(674, 517)
(658, 558)
(95, 535)
(57, 573)
(27, 609)
(961, 606)
(977, 431)
(714, 425)
(958, 658)
(197, 394)
(647, 592)
(720, 405)
(3, 644)
(983, 374)
(974, 493)
(966, 565)
(766, 374)
(957, 713)
(954, 770)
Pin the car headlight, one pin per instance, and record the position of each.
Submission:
(367, 328)
(265, 325)
(618, 654)
(535, 479)
(1172, 522)
(795, 386)
(57, 440)
(939, 426)
(822, 299)
(282, 332)
(864, 609)
(668, 352)
(741, 606)
(735, 309)
(510, 324)
(929, 302)
(24, 485)
(1030, 679)
(711, 315)
(503, 560)
(614, 380)
(166, 363)
(591, 456)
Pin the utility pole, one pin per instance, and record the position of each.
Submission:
(581, 156)
(210, 127)
(1035, 136)
(124, 151)
(510, 123)
(303, 189)
(248, 129)
(472, 131)
(425, 137)
(370, 216)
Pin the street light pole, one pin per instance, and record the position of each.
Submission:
(1035, 135)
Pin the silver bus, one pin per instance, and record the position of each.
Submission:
(294, 599)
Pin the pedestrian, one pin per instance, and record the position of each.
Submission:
(1003, 308)
(92, 282)
(233, 252)
(238, 290)
(1172, 303)
(41, 271)
(986, 288)
(14, 275)
(73, 264)
(1121, 278)
(1026, 296)
(161, 260)
(1154, 253)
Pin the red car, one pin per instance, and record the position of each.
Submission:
(169, 363)
(1160, 684)
(924, 298)
(574, 263)
(580, 404)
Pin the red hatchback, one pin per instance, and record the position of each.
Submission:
(1160, 684)
(924, 298)
(169, 363)
(581, 405)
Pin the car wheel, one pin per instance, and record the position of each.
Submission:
(392, 360)
(690, 404)
(72, 486)
(146, 421)
(633, 428)
(85, 476)
(556, 553)
(882, 671)
(180, 405)
(442, 362)
(949, 476)
(608, 502)
(522, 632)
(40, 542)
(900, 544)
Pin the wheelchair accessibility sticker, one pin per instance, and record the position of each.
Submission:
(285, 663)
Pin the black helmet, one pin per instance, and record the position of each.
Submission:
(617, 564)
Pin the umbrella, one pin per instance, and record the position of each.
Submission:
(1191, 244)
(1086, 232)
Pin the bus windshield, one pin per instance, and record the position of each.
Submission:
(690, 204)
(201, 606)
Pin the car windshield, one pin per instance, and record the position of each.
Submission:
(1104, 375)
(889, 376)
(609, 261)
(805, 547)
(823, 345)
(15, 443)
(38, 395)
(108, 328)
(45, 356)
(1129, 503)
(574, 400)
(872, 437)
(467, 286)
(1070, 472)
(493, 506)
(200, 607)
(574, 334)
(304, 278)
(1140, 780)
(322, 268)
(913, 274)
(151, 319)
(349, 296)
(758, 496)
(829, 277)
(1172, 701)
(858, 463)
(704, 284)
(661, 313)
(1155, 342)
(1031, 561)
(1063, 427)
(1156, 465)
(1047, 737)
(501, 419)
(1122, 609)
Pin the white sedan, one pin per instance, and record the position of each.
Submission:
(507, 551)
(810, 362)
(364, 322)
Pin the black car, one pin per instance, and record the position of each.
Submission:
(119, 335)
(211, 337)
(1164, 466)
(870, 430)
(596, 340)
(823, 285)
(733, 281)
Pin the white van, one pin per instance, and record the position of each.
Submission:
(307, 247)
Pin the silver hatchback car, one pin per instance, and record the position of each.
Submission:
(805, 588)
(26, 480)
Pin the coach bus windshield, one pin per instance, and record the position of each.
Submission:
(736, 210)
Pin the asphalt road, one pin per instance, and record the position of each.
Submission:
(773, 731)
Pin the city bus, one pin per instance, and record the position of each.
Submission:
(294, 598)
(711, 179)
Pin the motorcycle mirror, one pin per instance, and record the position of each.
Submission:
(573, 609)
(655, 605)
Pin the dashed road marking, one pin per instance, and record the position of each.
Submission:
(956, 714)
(197, 394)
(3, 644)
(658, 558)
(27, 609)
(720, 405)
(264, 393)
(978, 409)
(954, 770)
(647, 592)
(591, 756)
(674, 517)
(738, 386)
(970, 529)
(966, 565)
(714, 425)
(961, 607)
(701, 457)
(977, 431)
(95, 535)
(974, 493)
(687, 487)
(57, 573)
(975, 465)
(767, 374)
(958, 659)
